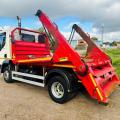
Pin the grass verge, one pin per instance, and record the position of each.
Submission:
(115, 55)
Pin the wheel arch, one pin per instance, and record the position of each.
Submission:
(5, 64)
(67, 74)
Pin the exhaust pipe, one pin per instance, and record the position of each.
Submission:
(19, 21)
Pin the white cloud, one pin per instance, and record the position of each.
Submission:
(94, 30)
(18, 7)
(69, 26)
(107, 37)
(112, 36)
(67, 35)
(96, 11)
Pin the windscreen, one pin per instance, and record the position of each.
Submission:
(2, 40)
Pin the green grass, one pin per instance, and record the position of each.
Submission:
(115, 55)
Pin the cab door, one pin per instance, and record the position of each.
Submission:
(3, 48)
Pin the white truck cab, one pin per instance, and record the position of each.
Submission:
(5, 44)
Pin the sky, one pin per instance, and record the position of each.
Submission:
(92, 15)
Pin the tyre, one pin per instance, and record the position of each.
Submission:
(57, 88)
(7, 74)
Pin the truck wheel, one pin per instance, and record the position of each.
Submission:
(7, 74)
(57, 88)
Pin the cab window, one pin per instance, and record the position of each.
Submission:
(42, 39)
(27, 37)
(2, 40)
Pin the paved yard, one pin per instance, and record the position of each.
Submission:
(20, 101)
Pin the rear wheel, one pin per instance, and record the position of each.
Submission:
(57, 88)
(7, 74)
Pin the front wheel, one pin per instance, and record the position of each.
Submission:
(7, 74)
(57, 88)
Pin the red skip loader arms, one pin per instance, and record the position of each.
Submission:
(95, 70)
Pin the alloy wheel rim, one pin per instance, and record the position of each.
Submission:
(57, 90)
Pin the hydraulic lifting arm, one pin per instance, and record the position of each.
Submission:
(93, 51)
(63, 51)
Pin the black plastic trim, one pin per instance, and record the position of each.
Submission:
(38, 13)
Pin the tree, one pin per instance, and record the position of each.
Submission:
(94, 38)
(41, 29)
(114, 43)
